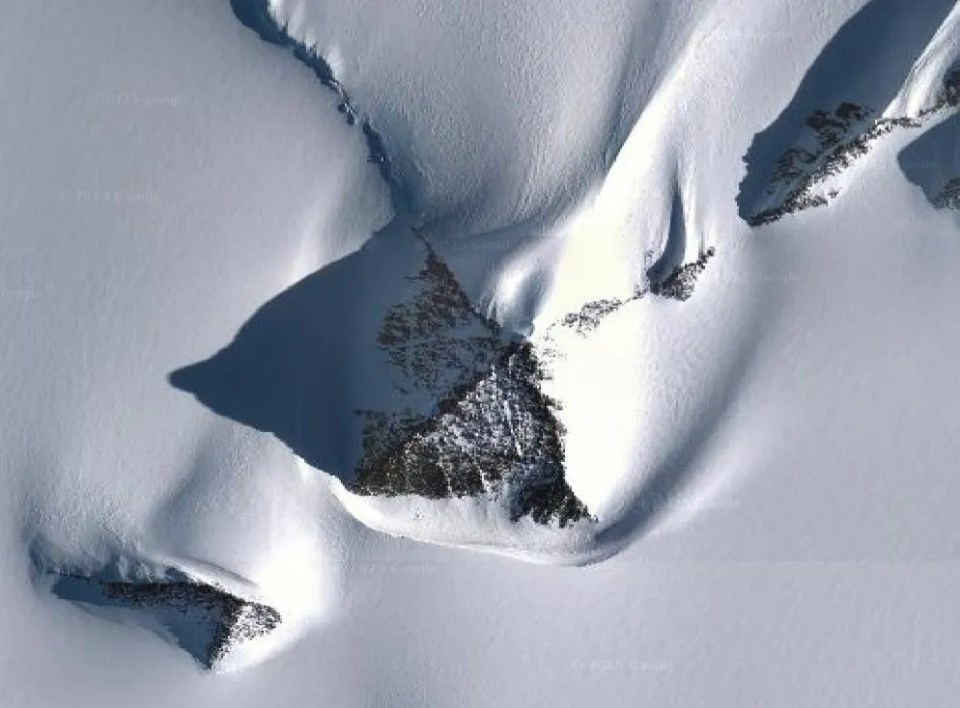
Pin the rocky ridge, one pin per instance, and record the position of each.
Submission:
(490, 432)
(801, 176)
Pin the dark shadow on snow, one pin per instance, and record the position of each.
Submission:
(194, 637)
(866, 63)
(291, 369)
(932, 162)
(204, 620)
(306, 361)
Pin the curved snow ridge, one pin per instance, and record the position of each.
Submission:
(599, 273)
(924, 86)
(490, 440)
(449, 406)
(489, 432)
(473, 523)
(932, 162)
(489, 125)
(259, 16)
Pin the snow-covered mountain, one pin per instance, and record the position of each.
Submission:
(305, 301)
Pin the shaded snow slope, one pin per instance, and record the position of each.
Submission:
(768, 465)
(532, 123)
(292, 369)
(440, 385)
(860, 89)
(138, 184)
(932, 162)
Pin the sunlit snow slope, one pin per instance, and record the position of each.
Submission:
(667, 285)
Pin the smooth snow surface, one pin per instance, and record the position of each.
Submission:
(196, 246)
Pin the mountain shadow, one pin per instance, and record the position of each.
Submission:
(858, 73)
(932, 162)
(379, 370)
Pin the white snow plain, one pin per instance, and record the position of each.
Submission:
(770, 463)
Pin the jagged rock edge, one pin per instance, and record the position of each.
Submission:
(836, 157)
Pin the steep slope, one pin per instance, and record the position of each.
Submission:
(491, 431)
(866, 89)
(205, 620)
(488, 428)
(773, 458)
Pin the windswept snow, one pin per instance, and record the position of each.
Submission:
(765, 465)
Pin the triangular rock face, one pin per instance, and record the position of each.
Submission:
(490, 431)
(204, 620)
(228, 619)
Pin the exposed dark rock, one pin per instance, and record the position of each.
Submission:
(678, 284)
(588, 317)
(949, 94)
(491, 432)
(682, 280)
(949, 195)
(841, 138)
(438, 340)
(206, 620)
(800, 168)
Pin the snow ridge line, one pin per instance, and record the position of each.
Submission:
(256, 15)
